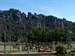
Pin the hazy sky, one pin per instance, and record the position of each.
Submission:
(59, 8)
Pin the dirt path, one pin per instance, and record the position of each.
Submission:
(26, 54)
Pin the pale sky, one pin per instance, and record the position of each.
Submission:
(58, 8)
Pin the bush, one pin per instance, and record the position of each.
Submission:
(24, 48)
(60, 49)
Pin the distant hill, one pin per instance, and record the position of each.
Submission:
(13, 20)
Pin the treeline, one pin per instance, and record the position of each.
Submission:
(46, 35)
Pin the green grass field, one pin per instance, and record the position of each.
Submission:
(9, 48)
(18, 48)
(15, 48)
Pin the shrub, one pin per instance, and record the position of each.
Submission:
(60, 49)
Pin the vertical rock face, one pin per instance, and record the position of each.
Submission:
(35, 20)
(16, 21)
